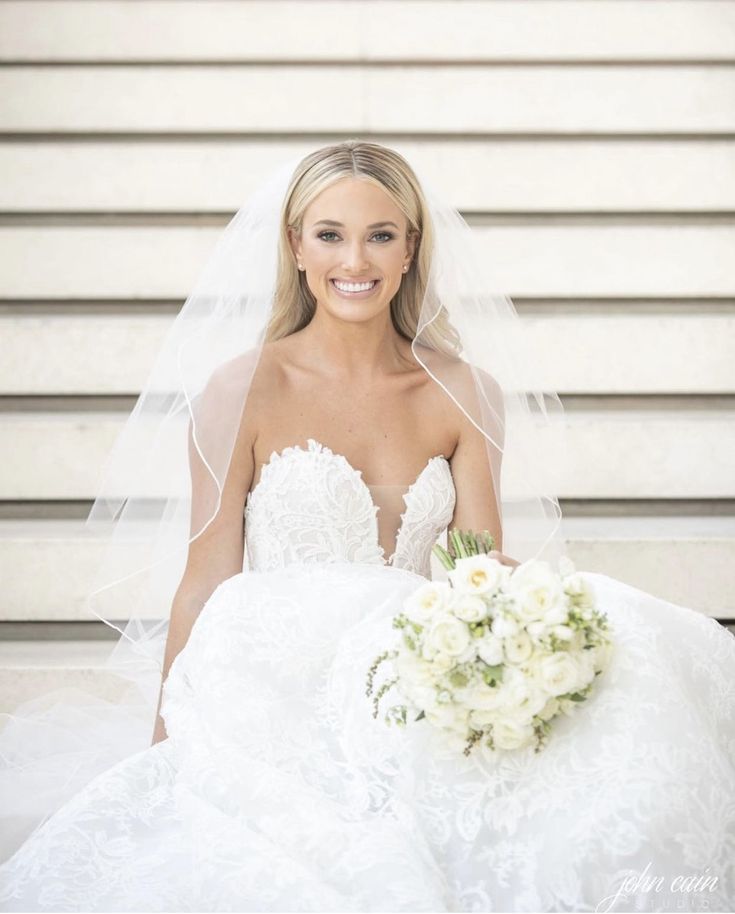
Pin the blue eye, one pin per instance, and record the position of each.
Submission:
(388, 235)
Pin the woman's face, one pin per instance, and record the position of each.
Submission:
(353, 233)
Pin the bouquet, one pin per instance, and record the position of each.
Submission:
(494, 653)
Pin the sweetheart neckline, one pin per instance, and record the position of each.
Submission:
(322, 448)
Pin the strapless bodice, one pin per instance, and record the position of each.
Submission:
(311, 505)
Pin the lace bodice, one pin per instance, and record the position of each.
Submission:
(311, 505)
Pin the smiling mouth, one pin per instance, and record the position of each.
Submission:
(361, 291)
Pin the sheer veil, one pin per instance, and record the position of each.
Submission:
(464, 332)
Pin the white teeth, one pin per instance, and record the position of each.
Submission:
(354, 287)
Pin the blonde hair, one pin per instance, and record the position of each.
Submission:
(294, 304)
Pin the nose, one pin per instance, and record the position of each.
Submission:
(355, 260)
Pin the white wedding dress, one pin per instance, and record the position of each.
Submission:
(277, 790)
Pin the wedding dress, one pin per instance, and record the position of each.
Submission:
(278, 790)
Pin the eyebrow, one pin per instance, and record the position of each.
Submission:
(340, 225)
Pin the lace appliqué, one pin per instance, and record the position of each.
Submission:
(311, 505)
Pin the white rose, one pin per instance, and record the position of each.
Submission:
(536, 589)
(428, 601)
(477, 574)
(469, 607)
(509, 734)
(518, 647)
(449, 635)
(490, 649)
(504, 626)
(558, 673)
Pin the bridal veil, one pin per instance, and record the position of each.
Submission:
(464, 331)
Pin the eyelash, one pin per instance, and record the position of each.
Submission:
(328, 232)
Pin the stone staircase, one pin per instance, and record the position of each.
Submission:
(603, 195)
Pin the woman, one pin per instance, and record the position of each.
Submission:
(351, 437)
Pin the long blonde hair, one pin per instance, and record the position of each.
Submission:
(294, 304)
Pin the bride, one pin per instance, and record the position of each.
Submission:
(336, 448)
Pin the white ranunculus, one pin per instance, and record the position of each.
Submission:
(427, 601)
(550, 709)
(413, 669)
(580, 591)
(577, 641)
(483, 697)
(522, 695)
(448, 635)
(423, 696)
(603, 654)
(442, 662)
(558, 614)
(428, 651)
(559, 673)
(479, 718)
(509, 734)
(586, 666)
(490, 649)
(518, 648)
(477, 574)
(450, 716)
(563, 632)
(504, 626)
(454, 740)
(536, 589)
(469, 653)
(537, 631)
(469, 607)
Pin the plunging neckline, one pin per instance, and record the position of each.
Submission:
(322, 448)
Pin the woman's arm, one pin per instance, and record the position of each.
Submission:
(476, 507)
(214, 556)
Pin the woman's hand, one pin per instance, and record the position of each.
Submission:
(503, 559)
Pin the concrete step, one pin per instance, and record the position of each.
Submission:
(28, 669)
(615, 451)
(687, 560)
(549, 175)
(569, 260)
(181, 31)
(41, 354)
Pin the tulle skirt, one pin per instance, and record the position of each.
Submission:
(278, 790)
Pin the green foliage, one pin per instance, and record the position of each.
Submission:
(462, 544)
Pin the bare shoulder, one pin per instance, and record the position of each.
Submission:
(468, 377)
(244, 385)
(472, 386)
(259, 369)
(251, 366)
